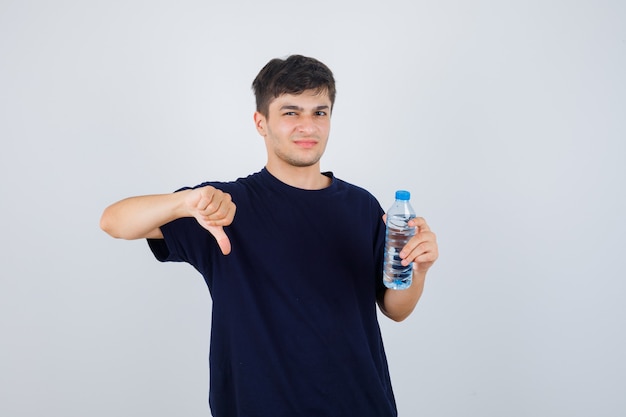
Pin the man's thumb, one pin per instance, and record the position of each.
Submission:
(221, 238)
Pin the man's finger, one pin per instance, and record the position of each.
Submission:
(421, 224)
(221, 238)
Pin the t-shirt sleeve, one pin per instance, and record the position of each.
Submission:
(184, 240)
(169, 248)
(379, 247)
(159, 249)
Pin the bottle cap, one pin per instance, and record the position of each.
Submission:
(403, 195)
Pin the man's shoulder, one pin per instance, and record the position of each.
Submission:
(353, 188)
(232, 185)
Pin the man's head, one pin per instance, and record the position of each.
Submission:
(292, 75)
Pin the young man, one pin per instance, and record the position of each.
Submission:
(296, 274)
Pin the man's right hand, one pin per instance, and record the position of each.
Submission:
(213, 209)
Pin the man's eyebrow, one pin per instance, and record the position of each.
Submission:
(293, 107)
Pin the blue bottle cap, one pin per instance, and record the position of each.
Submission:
(403, 195)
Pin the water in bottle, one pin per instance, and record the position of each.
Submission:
(395, 275)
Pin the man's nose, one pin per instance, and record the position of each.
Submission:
(306, 124)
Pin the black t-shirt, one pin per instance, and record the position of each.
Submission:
(294, 327)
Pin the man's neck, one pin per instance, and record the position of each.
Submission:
(306, 178)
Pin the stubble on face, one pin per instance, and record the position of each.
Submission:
(297, 160)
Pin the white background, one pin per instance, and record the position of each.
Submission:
(506, 120)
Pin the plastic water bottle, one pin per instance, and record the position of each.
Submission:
(395, 275)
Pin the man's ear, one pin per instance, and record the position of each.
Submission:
(260, 123)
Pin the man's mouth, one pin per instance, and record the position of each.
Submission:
(305, 143)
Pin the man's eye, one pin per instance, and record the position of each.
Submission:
(290, 113)
(320, 113)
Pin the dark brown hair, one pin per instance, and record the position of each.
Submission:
(292, 75)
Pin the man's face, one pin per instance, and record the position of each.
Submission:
(296, 129)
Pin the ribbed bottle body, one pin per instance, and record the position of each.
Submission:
(398, 233)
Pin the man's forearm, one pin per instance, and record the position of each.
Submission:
(141, 217)
(399, 304)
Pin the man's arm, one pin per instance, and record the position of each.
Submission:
(423, 251)
(141, 217)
